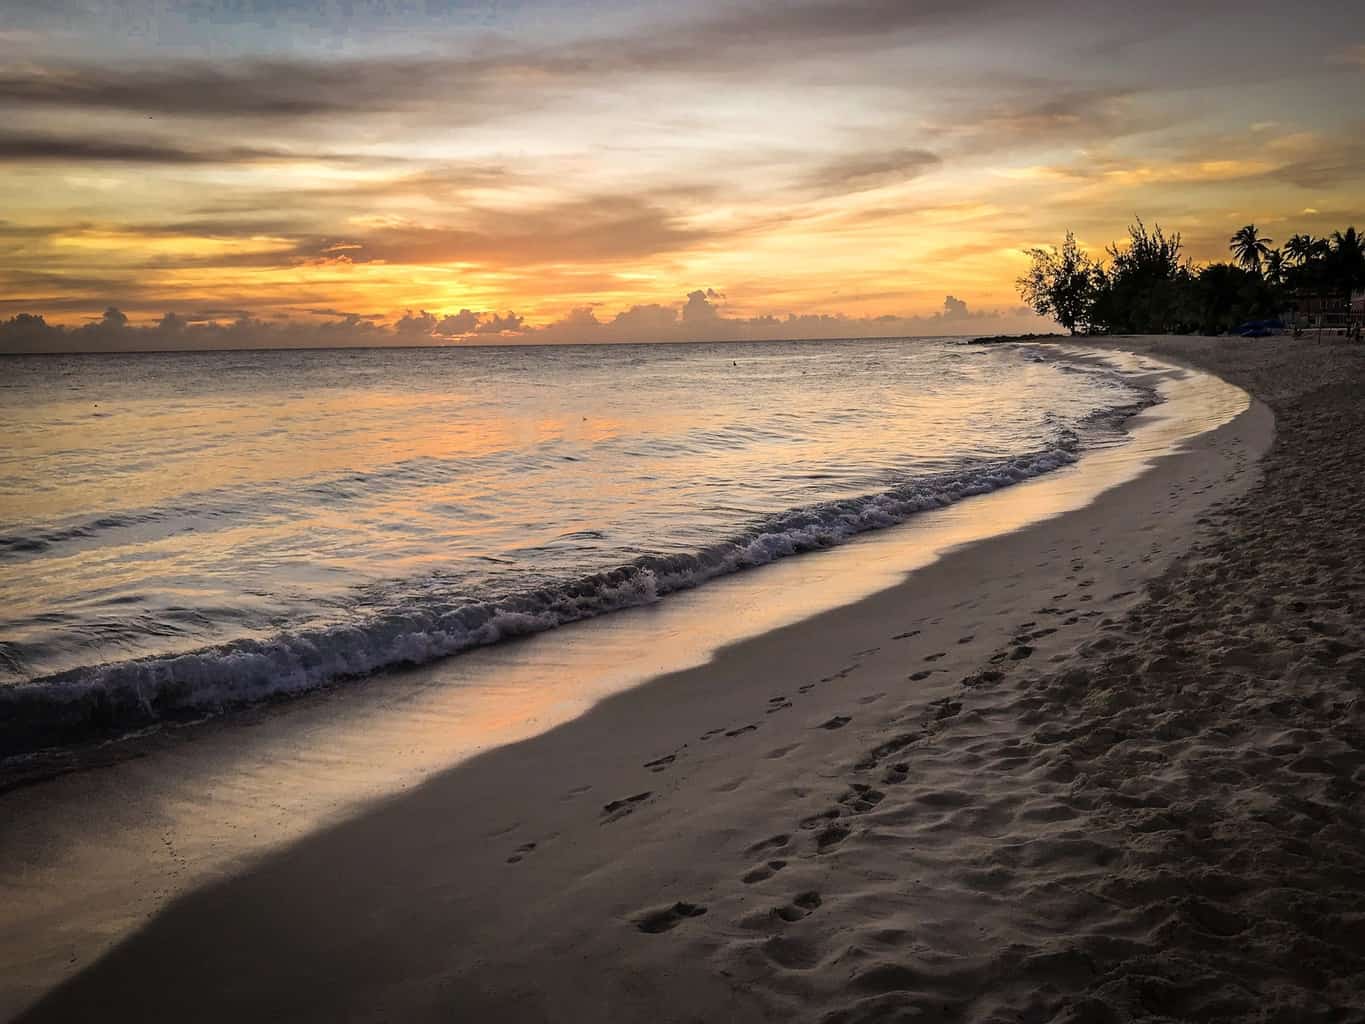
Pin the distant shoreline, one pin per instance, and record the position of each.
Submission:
(1000, 339)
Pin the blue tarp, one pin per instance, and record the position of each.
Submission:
(1260, 328)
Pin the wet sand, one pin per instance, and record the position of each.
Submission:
(1107, 766)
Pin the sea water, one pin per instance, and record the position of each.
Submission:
(181, 533)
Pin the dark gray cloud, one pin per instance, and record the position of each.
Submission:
(861, 171)
(512, 72)
(244, 89)
(1338, 164)
(1030, 111)
(820, 25)
(503, 76)
(600, 228)
(26, 147)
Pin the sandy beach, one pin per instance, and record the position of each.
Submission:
(1106, 767)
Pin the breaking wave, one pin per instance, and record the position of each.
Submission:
(131, 694)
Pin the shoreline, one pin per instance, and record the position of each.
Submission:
(595, 864)
(49, 736)
(60, 709)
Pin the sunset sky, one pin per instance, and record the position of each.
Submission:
(572, 170)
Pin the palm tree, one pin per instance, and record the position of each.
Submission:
(1274, 267)
(1348, 246)
(1300, 248)
(1348, 255)
(1249, 248)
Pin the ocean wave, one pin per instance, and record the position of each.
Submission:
(427, 623)
(122, 696)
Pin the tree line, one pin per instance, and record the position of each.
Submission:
(1147, 286)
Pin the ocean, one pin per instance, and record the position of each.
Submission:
(185, 533)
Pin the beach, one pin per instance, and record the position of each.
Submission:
(1106, 766)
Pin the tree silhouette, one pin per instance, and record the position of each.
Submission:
(1274, 267)
(1061, 283)
(1145, 290)
(1299, 248)
(1346, 262)
(1249, 248)
(1148, 286)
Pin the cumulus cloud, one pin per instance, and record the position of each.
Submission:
(495, 324)
(700, 317)
(954, 308)
(463, 322)
(113, 332)
(415, 324)
(701, 307)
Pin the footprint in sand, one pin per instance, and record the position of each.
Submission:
(906, 636)
(520, 852)
(659, 764)
(862, 798)
(667, 918)
(771, 843)
(832, 835)
(791, 953)
(966, 639)
(1018, 654)
(935, 657)
(779, 707)
(802, 906)
(816, 820)
(763, 872)
(741, 730)
(945, 708)
(922, 674)
(837, 722)
(983, 678)
(871, 698)
(773, 755)
(620, 808)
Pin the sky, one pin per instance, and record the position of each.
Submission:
(200, 173)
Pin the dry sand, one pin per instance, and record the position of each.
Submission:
(1061, 774)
